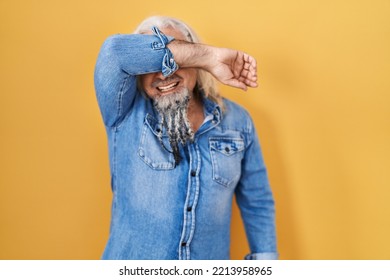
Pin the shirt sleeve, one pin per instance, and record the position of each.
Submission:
(262, 256)
(255, 201)
(121, 59)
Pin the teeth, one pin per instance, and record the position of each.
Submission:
(168, 87)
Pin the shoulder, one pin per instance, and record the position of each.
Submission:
(236, 117)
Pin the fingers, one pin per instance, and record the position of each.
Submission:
(235, 68)
(244, 72)
(237, 84)
(248, 78)
(248, 73)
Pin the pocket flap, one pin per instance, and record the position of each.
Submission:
(227, 146)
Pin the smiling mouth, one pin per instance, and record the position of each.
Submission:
(167, 88)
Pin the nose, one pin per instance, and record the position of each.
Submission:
(157, 79)
(159, 75)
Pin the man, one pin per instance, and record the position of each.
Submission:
(178, 151)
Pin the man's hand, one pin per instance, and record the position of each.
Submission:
(231, 67)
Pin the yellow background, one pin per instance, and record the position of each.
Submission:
(322, 112)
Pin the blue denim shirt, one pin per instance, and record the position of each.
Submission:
(163, 211)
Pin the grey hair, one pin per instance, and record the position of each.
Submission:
(205, 81)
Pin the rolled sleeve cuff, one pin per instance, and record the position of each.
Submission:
(169, 65)
(262, 256)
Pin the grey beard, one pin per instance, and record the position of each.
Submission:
(172, 109)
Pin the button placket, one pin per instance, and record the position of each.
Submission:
(190, 203)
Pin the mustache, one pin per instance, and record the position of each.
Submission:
(163, 82)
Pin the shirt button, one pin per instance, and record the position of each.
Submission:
(227, 149)
(189, 209)
(183, 244)
(193, 173)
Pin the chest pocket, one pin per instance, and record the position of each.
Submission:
(150, 149)
(226, 155)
